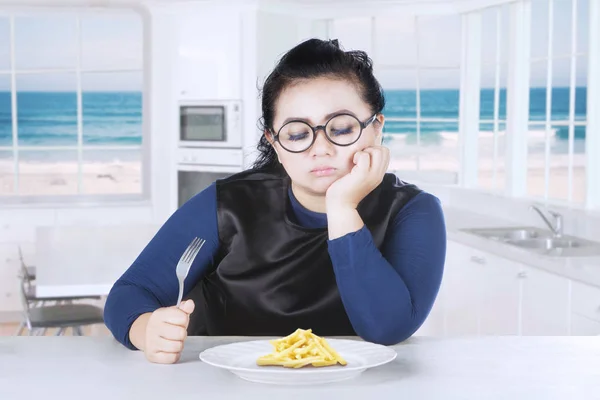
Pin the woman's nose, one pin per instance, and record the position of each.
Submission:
(321, 145)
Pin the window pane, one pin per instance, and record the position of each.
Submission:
(353, 33)
(5, 112)
(559, 162)
(401, 139)
(488, 85)
(45, 41)
(537, 92)
(4, 44)
(562, 27)
(487, 143)
(490, 33)
(439, 146)
(439, 41)
(581, 89)
(439, 93)
(112, 41)
(112, 171)
(539, 28)
(7, 173)
(47, 172)
(47, 109)
(396, 41)
(583, 13)
(112, 108)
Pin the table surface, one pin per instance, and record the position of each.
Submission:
(505, 367)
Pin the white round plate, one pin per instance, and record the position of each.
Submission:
(240, 358)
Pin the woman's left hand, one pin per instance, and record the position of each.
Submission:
(370, 166)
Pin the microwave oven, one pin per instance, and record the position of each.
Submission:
(210, 123)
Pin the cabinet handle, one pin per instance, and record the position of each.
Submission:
(522, 274)
(478, 260)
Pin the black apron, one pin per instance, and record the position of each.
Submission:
(272, 276)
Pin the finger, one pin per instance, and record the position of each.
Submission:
(380, 159)
(176, 316)
(169, 346)
(172, 332)
(163, 358)
(376, 157)
(187, 306)
(362, 161)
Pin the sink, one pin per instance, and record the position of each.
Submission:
(546, 243)
(540, 241)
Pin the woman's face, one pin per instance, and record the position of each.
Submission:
(315, 101)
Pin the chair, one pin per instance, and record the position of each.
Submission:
(31, 301)
(62, 316)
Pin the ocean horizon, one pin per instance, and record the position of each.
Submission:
(115, 118)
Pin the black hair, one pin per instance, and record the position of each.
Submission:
(314, 58)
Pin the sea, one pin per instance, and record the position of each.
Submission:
(115, 118)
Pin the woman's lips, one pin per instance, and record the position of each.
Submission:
(323, 171)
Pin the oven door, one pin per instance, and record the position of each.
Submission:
(192, 179)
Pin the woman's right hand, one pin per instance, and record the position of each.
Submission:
(166, 331)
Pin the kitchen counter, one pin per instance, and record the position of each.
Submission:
(582, 269)
(506, 367)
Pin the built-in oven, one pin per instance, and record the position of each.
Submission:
(210, 123)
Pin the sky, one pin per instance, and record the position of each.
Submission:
(115, 41)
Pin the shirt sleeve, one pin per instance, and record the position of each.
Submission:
(388, 294)
(150, 282)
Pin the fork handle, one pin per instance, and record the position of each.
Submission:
(179, 297)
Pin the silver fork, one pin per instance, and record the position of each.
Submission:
(185, 262)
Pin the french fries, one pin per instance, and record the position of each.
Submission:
(300, 349)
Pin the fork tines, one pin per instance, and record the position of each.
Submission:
(193, 249)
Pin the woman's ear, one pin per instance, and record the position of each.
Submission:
(379, 123)
(271, 140)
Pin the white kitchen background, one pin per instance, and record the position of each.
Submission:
(491, 105)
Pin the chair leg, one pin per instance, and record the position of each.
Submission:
(60, 331)
(77, 331)
(20, 329)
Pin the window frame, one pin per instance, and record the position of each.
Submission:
(79, 198)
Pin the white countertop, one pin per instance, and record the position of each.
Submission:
(506, 367)
(582, 269)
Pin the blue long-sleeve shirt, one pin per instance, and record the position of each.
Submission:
(387, 294)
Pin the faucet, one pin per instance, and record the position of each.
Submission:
(557, 227)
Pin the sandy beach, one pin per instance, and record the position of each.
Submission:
(115, 176)
(60, 178)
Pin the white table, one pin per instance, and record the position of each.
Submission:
(426, 368)
(86, 260)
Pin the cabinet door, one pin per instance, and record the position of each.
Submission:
(461, 291)
(583, 326)
(500, 281)
(545, 303)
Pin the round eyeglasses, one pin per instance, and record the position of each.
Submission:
(342, 130)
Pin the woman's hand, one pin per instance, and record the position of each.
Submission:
(165, 331)
(367, 173)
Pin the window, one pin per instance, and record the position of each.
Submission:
(419, 69)
(492, 107)
(557, 105)
(71, 105)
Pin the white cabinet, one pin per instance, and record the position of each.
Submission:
(585, 309)
(500, 287)
(480, 293)
(461, 291)
(485, 294)
(545, 303)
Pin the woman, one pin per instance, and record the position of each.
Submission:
(316, 235)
